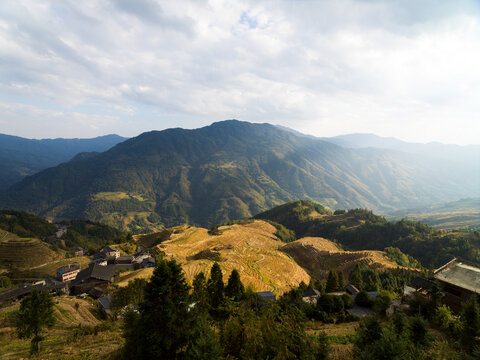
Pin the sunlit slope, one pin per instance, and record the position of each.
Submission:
(318, 256)
(252, 249)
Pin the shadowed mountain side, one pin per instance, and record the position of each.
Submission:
(230, 170)
(21, 157)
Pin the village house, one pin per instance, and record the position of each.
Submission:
(104, 306)
(111, 252)
(94, 276)
(311, 296)
(108, 253)
(18, 292)
(79, 251)
(68, 272)
(459, 282)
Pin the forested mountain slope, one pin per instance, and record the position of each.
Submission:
(22, 157)
(230, 170)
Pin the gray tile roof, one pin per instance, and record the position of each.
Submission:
(461, 275)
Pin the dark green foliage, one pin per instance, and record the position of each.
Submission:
(386, 346)
(435, 294)
(200, 294)
(92, 235)
(216, 287)
(471, 323)
(5, 282)
(204, 344)
(163, 326)
(234, 289)
(284, 234)
(355, 278)
(35, 314)
(24, 224)
(420, 305)
(369, 331)
(400, 322)
(418, 330)
(341, 281)
(381, 303)
(332, 282)
(132, 294)
(347, 301)
(276, 334)
(400, 258)
(363, 299)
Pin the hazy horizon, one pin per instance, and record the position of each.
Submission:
(402, 69)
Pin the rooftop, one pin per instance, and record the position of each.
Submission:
(461, 275)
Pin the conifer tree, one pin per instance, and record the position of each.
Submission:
(341, 281)
(199, 294)
(234, 288)
(215, 286)
(35, 314)
(332, 282)
(355, 277)
(471, 323)
(163, 326)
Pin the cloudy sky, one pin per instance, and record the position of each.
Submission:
(408, 69)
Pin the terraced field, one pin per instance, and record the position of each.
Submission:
(72, 337)
(318, 256)
(252, 249)
(22, 253)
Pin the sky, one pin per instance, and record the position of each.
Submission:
(407, 69)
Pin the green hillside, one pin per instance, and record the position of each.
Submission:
(92, 236)
(360, 229)
(24, 224)
(229, 170)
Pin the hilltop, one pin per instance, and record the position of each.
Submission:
(263, 260)
(231, 170)
(360, 229)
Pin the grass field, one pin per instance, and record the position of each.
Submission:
(46, 270)
(72, 337)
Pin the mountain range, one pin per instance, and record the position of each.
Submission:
(21, 157)
(233, 170)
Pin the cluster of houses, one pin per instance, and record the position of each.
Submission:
(458, 282)
(91, 281)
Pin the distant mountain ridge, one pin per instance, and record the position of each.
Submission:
(22, 157)
(232, 170)
(468, 153)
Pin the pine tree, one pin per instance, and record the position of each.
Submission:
(163, 326)
(341, 281)
(355, 277)
(400, 322)
(332, 282)
(471, 322)
(215, 286)
(234, 288)
(200, 295)
(35, 314)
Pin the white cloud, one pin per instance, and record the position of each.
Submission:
(396, 68)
